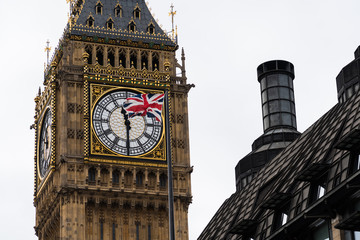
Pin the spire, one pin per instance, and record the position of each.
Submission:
(47, 50)
(183, 71)
(172, 14)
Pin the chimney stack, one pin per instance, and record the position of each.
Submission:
(277, 95)
(279, 119)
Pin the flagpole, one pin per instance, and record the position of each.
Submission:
(170, 174)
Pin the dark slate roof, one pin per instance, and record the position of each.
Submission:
(86, 8)
(314, 149)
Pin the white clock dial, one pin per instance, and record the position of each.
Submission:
(109, 126)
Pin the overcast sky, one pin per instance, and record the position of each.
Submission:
(224, 42)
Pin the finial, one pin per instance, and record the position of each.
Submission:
(47, 50)
(172, 14)
(39, 92)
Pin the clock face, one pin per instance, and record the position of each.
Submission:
(45, 144)
(108, 122)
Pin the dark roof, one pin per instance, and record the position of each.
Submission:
(317, 145)
(83, 10)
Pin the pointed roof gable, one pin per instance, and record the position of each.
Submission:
(84, 9)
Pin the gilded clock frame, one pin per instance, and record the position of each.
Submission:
(46, 102)
(156, 155)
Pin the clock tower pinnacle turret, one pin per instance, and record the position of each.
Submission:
(99, 172)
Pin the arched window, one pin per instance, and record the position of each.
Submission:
(151, 28)
(99, 8)
(115, 177)
(155, 61)
(152, 180)
(139, 179)
(144, 60)
(100, 56)
(132, 26)
(128, 179)
(104, 176)
(90, 22)
(111, 57)
(92, 174)
(137, 12)
(118, 11)
(122, 58)
(110, 24)
(163, 180)
(88, 50)
(133, 59)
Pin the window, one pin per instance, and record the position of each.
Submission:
(113, 232)
(144, 60)
(139, 178)
(88, 50)
(92, 173)
(115, 177)
(122, 58)
(90, 22)
(321, 191)
(354, 163)
(111, 57)
(98, 8)
(284, 218)
(155, 61)
(133, 59)
(118, 11)
(151, 28)
(137, 231)
(351, 235)
(163, 180)
(321, 232)
(110, 24)
(132, 26)
(100, 56)
(149, 232)
(101, 230)
(137, 12)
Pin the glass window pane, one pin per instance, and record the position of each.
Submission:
(321, 233)
(284, 219)
(356, 235)
(275, 119)
(285, 106)
(264, 96)
(265, 109)
(284, 93)
(291, 83)
(266, 122)
(272, 80)
(293, 118)
(274, 106)
(273, 93)
(283, 80)
(286, 119)
(349, 92)
(292, 95)
(263, 84)
(292, 108)
(321, 191)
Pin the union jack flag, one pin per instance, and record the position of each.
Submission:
(145, 105)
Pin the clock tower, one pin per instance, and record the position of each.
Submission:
(101, 173)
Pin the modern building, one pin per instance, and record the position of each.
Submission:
(311, 189)
(99, 172)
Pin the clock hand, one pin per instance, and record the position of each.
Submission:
(128, 127)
